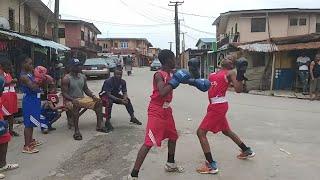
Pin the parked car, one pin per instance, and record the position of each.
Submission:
(96, 67)
(155, 65)
(111, 63)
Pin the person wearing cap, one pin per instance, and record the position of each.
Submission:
(315, 78)
(74, 89)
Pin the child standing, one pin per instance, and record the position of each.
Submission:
(215, 119)
(161, 124)
(9, 96)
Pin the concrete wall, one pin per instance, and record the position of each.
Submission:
(279, 27)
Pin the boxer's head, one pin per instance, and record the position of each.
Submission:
(228, 62)
(167, 59)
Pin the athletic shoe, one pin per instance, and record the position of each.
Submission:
(131, 178)
(35, 143)
(45, 131)
(109, 126)
(13, 133)
(29, 150)
(9, 167)
(2, 176)
(135, 121)
(208, 168)
(246, 154)
(172, 167)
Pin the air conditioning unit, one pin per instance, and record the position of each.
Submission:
(4, 23)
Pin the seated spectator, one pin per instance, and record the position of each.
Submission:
(74, 88)
(110, 94)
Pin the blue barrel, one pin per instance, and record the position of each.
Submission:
(284, 79)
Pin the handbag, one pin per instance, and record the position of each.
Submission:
(3, 127)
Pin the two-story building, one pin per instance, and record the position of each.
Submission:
(135, 47)
(27, 32)
(80, 36)
(206, 43)
(271, 40)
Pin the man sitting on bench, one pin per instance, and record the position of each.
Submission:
(110, 94)
(74, 86)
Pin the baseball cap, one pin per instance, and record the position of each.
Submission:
(74, 62)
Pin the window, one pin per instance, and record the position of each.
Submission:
(11, 19)
(302, 22)
(258, 59)
(61, 33)
(293, 21)
(82, 35)
(123, 45)
(318, 25)
(258, 25)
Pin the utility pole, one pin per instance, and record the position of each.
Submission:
(176, 22)
(183, 41)
(170, 45)
(56, 21)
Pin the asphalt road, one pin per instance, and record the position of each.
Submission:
(283, 133)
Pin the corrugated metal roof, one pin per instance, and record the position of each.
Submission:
(41, 42)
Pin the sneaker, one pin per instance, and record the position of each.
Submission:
(45, 131)
(2, 176)
(208, 168)
(36, 143)
(15, 134)
(9, 167)
(135, 121)
(246, 154)
(109, 126)
(172, 167)
(29, 150)
(131, 178)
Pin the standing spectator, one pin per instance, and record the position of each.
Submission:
(9, 95)
(303, 62)
(315, 78)
(4, 139)
(31, 105)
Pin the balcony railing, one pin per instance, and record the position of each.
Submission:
(92, 46)
(29, 31)
(228, 38)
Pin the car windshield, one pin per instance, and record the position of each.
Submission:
(95, 61)
(157, 62)
(111, 60)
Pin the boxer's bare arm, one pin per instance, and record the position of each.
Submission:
(162, 87)
(232, 77)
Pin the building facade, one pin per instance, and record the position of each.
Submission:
(271, 41)
(80, 36)
(135, 47)
(28, 17)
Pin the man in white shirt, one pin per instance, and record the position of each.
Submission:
(303, 73)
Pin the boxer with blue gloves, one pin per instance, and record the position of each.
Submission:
(215, 119)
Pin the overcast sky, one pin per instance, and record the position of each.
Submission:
(126, 18)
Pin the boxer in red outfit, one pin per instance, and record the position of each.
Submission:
(215, 119)
(161, 124)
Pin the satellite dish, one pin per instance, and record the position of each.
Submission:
(4, 23)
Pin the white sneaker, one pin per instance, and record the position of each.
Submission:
(2, 176)
(131, 178)
(173, 167)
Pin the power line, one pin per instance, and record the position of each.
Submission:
(205, 32)
(189, 14)
(141, 14)
(119, 24)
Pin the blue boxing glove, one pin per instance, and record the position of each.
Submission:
(241, 66)
(3, 127)
(201, 84)
(181, 76)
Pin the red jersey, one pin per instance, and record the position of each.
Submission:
(155, 97)
(219, 84)
(6, 137)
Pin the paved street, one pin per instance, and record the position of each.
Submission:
(283, 132)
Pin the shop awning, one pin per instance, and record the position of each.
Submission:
(41, 42)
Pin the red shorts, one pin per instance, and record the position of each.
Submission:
(160, 126)
(215, 119)
(9, 103)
